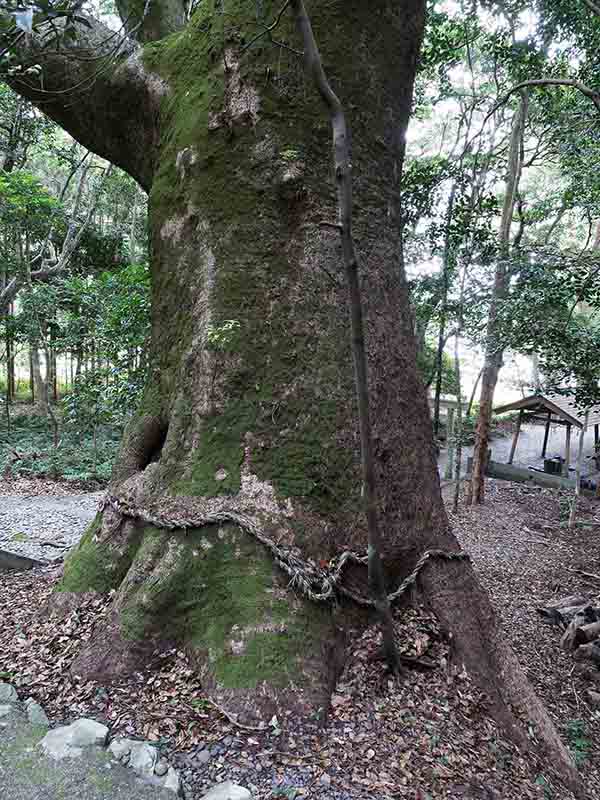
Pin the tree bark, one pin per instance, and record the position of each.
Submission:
(236, 160)
(40, 383)
(494, 350)
(89, 85)
(447, 264)
(149, 22)
(342, 163)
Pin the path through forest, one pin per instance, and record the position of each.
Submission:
(43, 526)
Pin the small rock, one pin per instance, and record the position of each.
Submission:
(228, 741)
(142, 759)
(36, 714)
(228, 790)
(161, 767)
(593, 697)
(203, 757)
(68, 741)
(8, 693)
(120, 748)
(172, 781)
(325, 780)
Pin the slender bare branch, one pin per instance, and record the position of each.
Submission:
(592, 6)
(591, 94)
(268, 30)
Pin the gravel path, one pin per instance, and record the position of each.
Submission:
(43, 527)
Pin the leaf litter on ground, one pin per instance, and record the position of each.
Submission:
(428, 735)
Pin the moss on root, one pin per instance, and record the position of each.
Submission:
(96, 565)
(215, 591)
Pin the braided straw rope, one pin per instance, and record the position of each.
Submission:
(317, 584)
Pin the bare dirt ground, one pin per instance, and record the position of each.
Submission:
(427, 737)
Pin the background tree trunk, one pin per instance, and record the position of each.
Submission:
(447, 266)
(10, 360)
(493, 349)
(40, 382)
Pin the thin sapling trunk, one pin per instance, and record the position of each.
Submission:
(493, 347)
(458, 425)
(446, 267)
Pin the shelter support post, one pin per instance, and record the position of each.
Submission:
(546, 432)
(578, 473)
(597, 445)
(450, 445)
(513, 446)
(567, 450)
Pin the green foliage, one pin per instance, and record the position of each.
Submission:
(23, 199)
(27, 213)
(578, 740)
(426, 360)
(78, 457)
(222, 338)
(551, 312)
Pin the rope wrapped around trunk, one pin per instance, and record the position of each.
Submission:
(319, 585)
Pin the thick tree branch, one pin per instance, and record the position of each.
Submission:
(151, 20)
(96, 88)
(591, 94)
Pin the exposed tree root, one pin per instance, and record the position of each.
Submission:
(462, 606)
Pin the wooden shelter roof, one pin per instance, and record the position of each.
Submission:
(561, 408)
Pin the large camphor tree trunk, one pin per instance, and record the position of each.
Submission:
(248, 425)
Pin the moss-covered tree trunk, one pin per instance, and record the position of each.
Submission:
(248, 412)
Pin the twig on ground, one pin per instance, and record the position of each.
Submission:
(590, 575)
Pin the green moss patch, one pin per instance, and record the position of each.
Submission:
(223, 227)
(98, 566)
(219, 456)
(215, 591)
